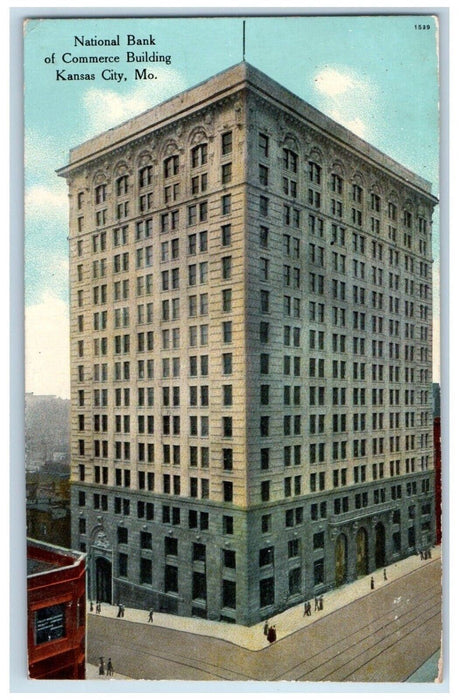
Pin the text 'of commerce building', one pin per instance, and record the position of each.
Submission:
(251, 328)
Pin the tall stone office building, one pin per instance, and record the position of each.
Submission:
(251, 354)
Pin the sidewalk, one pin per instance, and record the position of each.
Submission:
(286, 622)
(92, 674)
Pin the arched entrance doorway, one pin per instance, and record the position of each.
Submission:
(361, 542)
(380, 546)
(103, 580)
(340, 560)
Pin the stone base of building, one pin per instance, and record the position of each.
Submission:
(196, 558)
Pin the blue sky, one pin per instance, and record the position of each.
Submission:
(375, 75)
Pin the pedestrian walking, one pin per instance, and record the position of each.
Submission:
(429, 553)
(321, 602)
(150, 615)
(120, 610)
(316, 604)
(101, 667)
(372, 583)
(308, 609)
(109, 667)
(266, 628)
(98, 607)
(305, 612)
(271, 635)
(91, 606)
(385, 575)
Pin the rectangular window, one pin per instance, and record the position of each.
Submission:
(226, 173)
(226, 204)
(228, 594)
(227, 143)
(263, 175)
(226, 267)
(263, 145)
(266, 592)
(227, 491)
(170, 579)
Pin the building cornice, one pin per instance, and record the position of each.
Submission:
(345, 144)
(172, 126)
(169, 118)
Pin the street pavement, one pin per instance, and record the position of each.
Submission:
(361, 634)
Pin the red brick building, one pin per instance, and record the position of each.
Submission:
(56, 612)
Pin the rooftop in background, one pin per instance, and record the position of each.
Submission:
(43, 557)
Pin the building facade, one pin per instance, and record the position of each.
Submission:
(56, 612)
(251, 354)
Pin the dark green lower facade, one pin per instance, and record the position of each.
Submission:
(193, 557)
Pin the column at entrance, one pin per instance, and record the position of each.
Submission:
(341, 560)
(380, 545)
(361, 545)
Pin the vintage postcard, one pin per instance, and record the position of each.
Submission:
(233, 462)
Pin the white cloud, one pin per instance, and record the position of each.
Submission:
(107, 108)
(347, 98)
(56, 271)
(43, 202)
(47, 273)
(356, 125)
(332, 82)
(42, 155)
(47, 347)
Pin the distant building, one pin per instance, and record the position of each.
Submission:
(56, 606)
(437, 459)
(48, 504)
(49, 522)
(436, 400)
(47, 430)
(250, 354)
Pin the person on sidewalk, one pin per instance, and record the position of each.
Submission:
(316, 604)
(150, 615)
(91, 606)
(98, 608)
(385, 575)
(372, 583)
(122, 610)
(101, 667)
(119, 610)
(321, 602)
(109, 667)
(266, 628)
(272, 636)
(308, 609)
